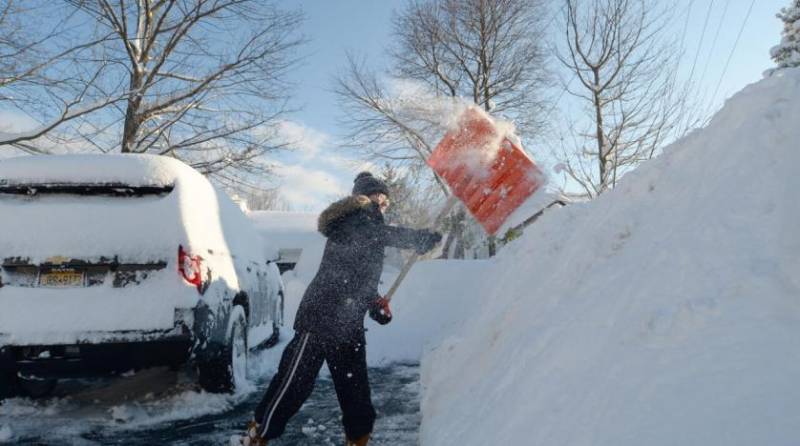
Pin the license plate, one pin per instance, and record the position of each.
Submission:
(61, 278)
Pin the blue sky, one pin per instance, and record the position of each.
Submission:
(320, 170)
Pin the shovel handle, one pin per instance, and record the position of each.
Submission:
(448, 206)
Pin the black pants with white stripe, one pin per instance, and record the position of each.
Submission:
(297, 372)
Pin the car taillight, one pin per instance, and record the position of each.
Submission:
(190, 268)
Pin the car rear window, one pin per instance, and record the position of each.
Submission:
(89, 189)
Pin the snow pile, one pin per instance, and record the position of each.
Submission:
(433, 302)
(665, 312)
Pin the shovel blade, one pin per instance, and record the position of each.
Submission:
(485, 169)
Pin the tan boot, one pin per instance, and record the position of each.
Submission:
(360, 442)
(251, 438)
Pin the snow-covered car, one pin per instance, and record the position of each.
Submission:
(119, 262)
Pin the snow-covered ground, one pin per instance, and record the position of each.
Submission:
(665, 312)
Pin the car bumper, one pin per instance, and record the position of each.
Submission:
(119, 353)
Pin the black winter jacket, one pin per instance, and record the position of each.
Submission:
(346, 284)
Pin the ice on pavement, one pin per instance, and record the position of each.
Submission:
(5, 433)
(135, 402)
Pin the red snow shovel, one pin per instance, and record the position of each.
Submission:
(485, 169)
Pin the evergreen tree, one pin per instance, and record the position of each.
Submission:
(787, 53)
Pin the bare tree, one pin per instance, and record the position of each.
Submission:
(483, 52)
(266, 200)
(204, 80)
(34, 54)
(488, 51)
(625, 68)
(410, 204)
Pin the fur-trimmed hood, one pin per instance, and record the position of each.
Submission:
(339, 210)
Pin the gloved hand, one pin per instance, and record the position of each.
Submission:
(379, 311)
(427, 240)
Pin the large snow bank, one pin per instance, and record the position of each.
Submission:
(434, 301)
(665, 312)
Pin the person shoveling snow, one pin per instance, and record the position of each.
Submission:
(329, 326)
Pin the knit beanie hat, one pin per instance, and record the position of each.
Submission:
(366, 184)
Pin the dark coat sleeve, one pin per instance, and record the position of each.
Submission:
(400, 237)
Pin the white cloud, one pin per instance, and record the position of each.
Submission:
(316, 173)
(349, 166)
(308, 189)
(306, 140)
(408, 88)
(15, 122)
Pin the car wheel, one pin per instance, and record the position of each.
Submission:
(228, 370)
(35, 387)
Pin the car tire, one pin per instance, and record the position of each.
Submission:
(227, 371)
(36, 387)
(8, 385)
(8, 376)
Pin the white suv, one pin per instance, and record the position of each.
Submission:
(116, 262)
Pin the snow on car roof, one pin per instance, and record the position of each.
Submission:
(128, 169)
(146, 229)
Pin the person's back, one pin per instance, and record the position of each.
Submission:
(346, 284)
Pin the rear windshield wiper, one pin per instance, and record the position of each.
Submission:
(109, 189)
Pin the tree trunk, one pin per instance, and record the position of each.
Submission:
(458, 234)
(601, 155)
(132, 119)
(492, 243)
(448, 243)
